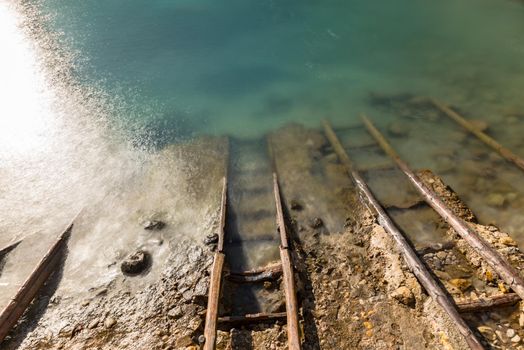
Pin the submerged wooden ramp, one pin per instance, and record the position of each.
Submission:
(472, 237)
(434, 289)
(32, 285)
(285, 268)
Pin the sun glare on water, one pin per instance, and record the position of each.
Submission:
(25, 107)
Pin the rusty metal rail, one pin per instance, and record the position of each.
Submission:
(434, 289)
(471, 236)
(32, 285)
(491, 142)
(285, 268)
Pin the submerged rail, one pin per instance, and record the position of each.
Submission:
(210, 328)
(491, 142)
(27, 292)
(472, 237)
(287, 268)
(414, 263)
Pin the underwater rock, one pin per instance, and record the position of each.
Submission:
(153, 225)
(211, 239)
(135, 263)
(398, 128)
(295, 205)
(496, 200)
(316, 223)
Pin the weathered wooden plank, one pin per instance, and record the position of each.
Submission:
(472, 237)
(254, 276)
(414, 263)
(491, 142)
(223, 208)
(487, 303)
(27, 292)
(210, 329)
(252, 318)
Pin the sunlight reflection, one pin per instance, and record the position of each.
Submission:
(25, 108)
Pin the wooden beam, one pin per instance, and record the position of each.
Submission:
(287, 268)
(472, 237)
(434, 289)
(254, 276)
(32, 285)
(252, 318)
(491, 142)
(210, 329)
(487, 303)
(223, 208)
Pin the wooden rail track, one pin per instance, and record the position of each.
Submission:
(32, 285)
(497, 262)
(285, 268)
(419, 269)
(491, 142)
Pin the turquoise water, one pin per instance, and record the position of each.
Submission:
(182, 68)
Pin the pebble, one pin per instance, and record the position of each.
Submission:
(211, 239)
(460, 283)
(93, 323)
(495, 200)
(510, 333)
(153, 225)
(404, 295)
(515, 339)
(521, 319)
(109, 322)
(175, 312)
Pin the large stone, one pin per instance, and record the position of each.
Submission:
(136, 263)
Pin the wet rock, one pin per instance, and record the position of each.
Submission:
(404, 295)
(461, 283)
(153, 225)
(109, 322)
(510, 333)
(136, 263)
(175, 312)
(184, 341)
(316, 223)
(508, 241)
(515, 339)
(295, 205)
(495, 200)
(211, 239)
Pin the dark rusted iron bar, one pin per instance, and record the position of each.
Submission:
(251, 318)
(27, 292)
(491, 142)
(287, 268)
(472, 237)
(414, 263)
(9, 247)
(487, 303)
(210, 328)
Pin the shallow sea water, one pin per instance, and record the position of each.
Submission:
(92, 89)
